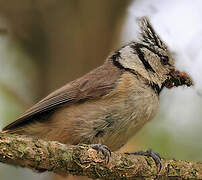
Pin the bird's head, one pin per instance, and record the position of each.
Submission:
(151, 59)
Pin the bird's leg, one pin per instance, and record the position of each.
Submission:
(149, 153)
(104, 149)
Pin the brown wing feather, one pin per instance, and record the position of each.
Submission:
(95, 84)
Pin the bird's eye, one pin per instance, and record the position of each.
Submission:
(164, 60)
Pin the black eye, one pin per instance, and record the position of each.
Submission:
(164, 60)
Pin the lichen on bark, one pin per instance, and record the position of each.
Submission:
(82, 160)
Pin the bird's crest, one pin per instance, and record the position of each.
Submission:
(148, 35)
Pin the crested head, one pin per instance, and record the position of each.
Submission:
(149, 36)
(150, 58)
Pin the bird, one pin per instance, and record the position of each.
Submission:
(111, 103)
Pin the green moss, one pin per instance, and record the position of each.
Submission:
(174, 171)
(21, 148)
(37, 158)
(37, 144)
(194, 172)
(66, 156)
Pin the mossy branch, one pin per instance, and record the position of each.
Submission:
(84, 161)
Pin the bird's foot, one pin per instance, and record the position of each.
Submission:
(149, 153)
(104, 149)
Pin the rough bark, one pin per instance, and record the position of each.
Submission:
(82, 160)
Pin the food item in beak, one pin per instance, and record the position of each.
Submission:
(178, 78)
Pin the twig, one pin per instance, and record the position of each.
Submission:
(84, 161)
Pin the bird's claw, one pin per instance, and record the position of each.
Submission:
(149, 153)
(104, 149)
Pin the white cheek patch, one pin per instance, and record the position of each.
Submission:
(154, 60)
(128, 59)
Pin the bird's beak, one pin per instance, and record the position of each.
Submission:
(177, 78)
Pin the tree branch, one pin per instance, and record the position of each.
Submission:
(82, 160)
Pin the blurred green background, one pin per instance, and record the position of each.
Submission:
(45, 44)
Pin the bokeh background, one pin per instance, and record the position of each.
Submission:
(45, 44)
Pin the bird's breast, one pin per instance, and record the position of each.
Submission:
(131, 105)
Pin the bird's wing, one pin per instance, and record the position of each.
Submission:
(97, 83)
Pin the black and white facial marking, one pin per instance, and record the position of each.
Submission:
(140, 59)
(149, 57)
(141, 56)
(116, 61)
